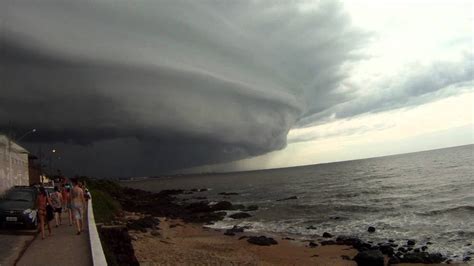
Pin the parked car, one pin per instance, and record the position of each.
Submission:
(17, 207)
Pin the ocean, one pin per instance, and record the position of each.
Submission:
(425, 196)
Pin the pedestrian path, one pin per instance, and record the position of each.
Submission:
(63, 247)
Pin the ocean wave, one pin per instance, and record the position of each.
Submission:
(457, 209)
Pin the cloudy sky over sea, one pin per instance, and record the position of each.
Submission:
(144, 87)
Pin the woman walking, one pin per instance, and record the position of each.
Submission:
(77, 204)
(41, 203)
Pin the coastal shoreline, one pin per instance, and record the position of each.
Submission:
(163, 228)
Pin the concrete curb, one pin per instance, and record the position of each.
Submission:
(98, 257)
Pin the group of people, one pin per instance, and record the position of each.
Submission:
(63, 199)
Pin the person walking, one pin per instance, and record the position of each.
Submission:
(42, 202)
(56, 203)
(67, 208)
(77, 203)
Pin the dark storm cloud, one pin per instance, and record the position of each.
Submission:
(126, 88)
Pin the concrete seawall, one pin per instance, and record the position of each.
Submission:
(98, 257)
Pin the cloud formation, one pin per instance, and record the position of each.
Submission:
(142, 87)
(184, 82)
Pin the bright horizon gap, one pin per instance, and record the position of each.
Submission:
(321, 163)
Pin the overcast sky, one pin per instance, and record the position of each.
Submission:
(124, 88)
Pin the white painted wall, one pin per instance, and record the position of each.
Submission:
(13, 165)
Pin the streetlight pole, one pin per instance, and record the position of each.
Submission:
(51, 157)
(26, 134)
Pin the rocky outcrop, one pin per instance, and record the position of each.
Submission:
(327, 235)
(262, 240)
(142, 224)
(222, 205)
(370, 257)
(290, 198)
(240, 215)
(118, 241)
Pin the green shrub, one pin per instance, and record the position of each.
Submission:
(104, 206)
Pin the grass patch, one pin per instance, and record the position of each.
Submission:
(104, 206)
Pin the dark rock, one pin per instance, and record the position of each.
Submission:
(143, 224)
(416, 250)
(399, 254)
(240, 215)
(371, 229)
(328, 242)
(206, 217)
(327, 235)
(391, 240)
(312, 244)
(222, 205)
(386, 249)
(228, 193)
(424, 248)
(467, 258)
(201, 206)
(229, 233)
(235, 229)
(370, 257)
(169, 192)
(251, 208)
(200, 198)
(238, 229)
(345, 257)
(311, 227)
(349, 241)
(429, 243)
(288, 238)
(335, 218)
(262, 241)
(411, 242)
(242, 237)
(290, 198)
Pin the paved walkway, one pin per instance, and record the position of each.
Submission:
(12, 243)
(64, 247)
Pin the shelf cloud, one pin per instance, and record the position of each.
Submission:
(139, 88)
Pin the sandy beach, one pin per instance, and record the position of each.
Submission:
(181, 243)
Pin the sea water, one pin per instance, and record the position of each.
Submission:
(426, 196)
